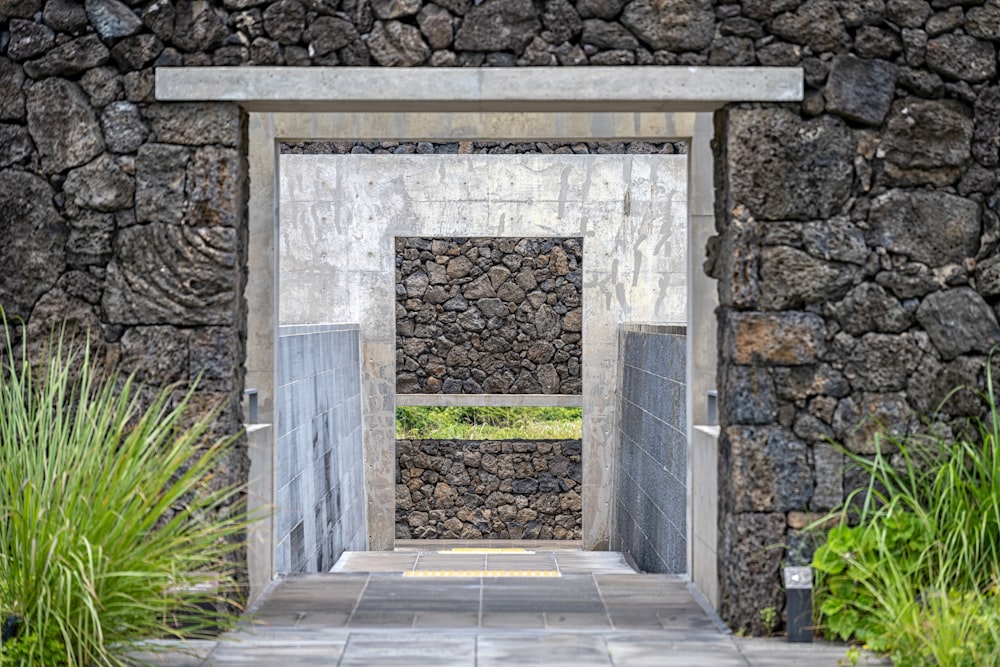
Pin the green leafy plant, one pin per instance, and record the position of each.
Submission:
(769, 618)
(917, 574)
(113, 529)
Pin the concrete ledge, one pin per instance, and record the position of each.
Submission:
(480, 89)
(500, 400)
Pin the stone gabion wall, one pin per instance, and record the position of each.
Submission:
(857, 229)
(495, 316)
(472, 489)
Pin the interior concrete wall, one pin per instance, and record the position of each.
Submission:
(651, 487)
(339, 215)
(320, 509)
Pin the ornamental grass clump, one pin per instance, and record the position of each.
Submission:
(112, 529)
(918, 574)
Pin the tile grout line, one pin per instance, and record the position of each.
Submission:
(600, 595)
(357, 603)
(343, 654)
(739, 651)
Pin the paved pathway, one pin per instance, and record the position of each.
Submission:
(491, 609)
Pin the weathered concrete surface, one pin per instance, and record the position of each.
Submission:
(340, 214)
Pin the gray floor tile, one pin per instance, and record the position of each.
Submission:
(518, 619)
(174, 654)
(548, 650)
(521, 562)
(420, 595)
(388, 650)
(652, 653)
(630, 620)
(445, 619)
(450, 562)
(577, 620)
(574, 620)
(317, 654)
(686, 619)
(777, 652)
(374, 561)
(382, 619)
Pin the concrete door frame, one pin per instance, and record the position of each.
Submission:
(542, 103)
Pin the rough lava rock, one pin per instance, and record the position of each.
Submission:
(33, 240)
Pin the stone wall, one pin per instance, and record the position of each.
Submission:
(471, 489)
(651, 491)
(856, 257)
(857, 248)
(320, 508)
(495, 316)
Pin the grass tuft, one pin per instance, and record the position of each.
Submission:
(917, 574)
(113, 528)
(488, 423)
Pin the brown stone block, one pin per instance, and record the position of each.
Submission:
(214, 187)
(781, 339)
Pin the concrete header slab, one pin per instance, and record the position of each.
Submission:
(551, 89)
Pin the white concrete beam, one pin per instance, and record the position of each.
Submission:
(550, 89)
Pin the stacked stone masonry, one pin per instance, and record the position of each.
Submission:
(493, 316)
(857, 231)
(472, 489)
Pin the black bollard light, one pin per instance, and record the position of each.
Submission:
(798, 603)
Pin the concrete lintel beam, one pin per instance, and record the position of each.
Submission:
(499, 400)
(551, 89)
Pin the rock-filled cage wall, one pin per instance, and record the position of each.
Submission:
(857, 251)
(495, 316)
(472, 489)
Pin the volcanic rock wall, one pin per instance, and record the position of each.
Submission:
(488, 315)
(472, 489)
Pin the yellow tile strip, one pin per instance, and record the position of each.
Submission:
(481, 573)
(486, 550)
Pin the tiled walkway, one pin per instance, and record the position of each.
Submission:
(589, 609)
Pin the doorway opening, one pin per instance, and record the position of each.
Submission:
(632, 211)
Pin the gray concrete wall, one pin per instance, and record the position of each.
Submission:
(651, 492)
(340, 215)
(320, 463)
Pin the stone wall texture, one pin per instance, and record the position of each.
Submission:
(472, 489)
(495, 316)
(857, 231)
(651, 491)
